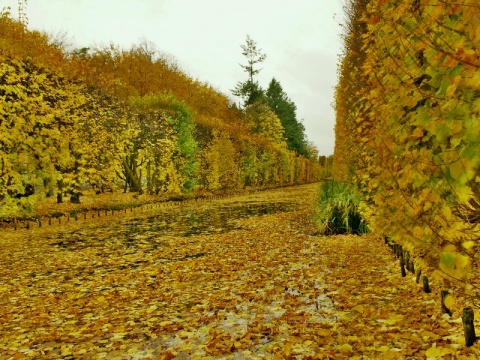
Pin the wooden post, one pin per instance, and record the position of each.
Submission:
(28, 225)
(445, 310)
(402, 267)
(50, 221)
(419, 275)
(39, 222)
(468, 327)
(15, 223)
(426, 286)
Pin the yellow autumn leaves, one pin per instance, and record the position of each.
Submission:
(39, 128)
(415, 154)
(114, 119)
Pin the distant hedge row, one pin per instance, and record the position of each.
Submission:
(130, 120)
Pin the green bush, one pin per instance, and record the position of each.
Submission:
(337, 210)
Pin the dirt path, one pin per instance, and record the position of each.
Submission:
(139, 286)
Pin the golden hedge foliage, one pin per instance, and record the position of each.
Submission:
(417, 127)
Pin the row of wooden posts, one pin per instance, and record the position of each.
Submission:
(407, 264)
(85, 214)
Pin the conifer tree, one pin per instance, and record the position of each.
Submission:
(250, 91)
(285, 109)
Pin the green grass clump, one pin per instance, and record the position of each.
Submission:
(337, 210)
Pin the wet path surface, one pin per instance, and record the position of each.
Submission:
(239, 278)
(146, 231)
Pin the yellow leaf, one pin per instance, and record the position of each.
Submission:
(439, 275)
(394, 319)
(417, 133)
(418, 232)
(345, 347)
(436, 352)
(324, 332)
(451, 89)
(433, 197)
(152, 308)
(462, 261)
(468, 244)
(383, 348)
(66, 350)
(358, 308)
(464, 193)
(457, 126)
(447, 212)
(449, 301)
(428, 334)
(457, 169)
(450, 248)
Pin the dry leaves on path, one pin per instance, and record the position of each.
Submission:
(261, 287)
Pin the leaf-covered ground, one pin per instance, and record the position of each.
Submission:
(251, 288)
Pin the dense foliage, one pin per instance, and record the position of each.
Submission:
(338, 209)
(251, 92)
(408, 109)
(111, 118)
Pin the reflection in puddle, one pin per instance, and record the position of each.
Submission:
(215, 220)
(145, 233)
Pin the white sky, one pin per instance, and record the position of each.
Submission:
(300, 38)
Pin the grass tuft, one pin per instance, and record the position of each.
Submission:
(337, 210)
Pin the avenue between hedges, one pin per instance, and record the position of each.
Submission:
(261, 286)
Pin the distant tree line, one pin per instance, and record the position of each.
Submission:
(110, 118)
(275, 98)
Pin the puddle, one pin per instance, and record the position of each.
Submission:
(219, 219)
(145, 233)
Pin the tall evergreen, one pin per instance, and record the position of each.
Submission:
(286, 110)
(250, 91)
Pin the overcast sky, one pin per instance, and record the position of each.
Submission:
(300, 38)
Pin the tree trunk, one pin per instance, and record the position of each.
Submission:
(132, 179)
(75, 198)
(149, 178)
(60, 192)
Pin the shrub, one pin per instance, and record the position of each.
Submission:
(337, 209)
